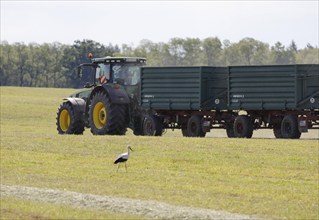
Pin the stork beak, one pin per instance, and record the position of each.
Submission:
(130, 148)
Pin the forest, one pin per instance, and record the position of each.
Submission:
(55, 64)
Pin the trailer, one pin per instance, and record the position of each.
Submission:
(193, 99)
(239, 99)
(284, 98)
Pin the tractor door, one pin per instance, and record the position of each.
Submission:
(102, 73)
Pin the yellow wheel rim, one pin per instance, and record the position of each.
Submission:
(65, 120)
(99, 115)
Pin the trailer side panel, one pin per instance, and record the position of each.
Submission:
(278, 87)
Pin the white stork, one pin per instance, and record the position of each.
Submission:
(122, 158)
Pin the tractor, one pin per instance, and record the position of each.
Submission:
(108, 103)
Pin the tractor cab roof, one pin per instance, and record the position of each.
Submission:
(119, 60)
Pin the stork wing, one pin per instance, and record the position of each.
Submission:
(121, 158)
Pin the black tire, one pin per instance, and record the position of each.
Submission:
(138, 125)
(106, 117)
(243, 127)
(184, 129)
(289, 127)
(67, 122)
(194, 127)
(277, 130)
(152, 126)
(230, 130)
(184, 132)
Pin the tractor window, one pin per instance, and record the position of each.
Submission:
(126, 74)
(102, 73)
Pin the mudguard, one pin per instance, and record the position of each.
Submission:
(78, 106)
(117, 94)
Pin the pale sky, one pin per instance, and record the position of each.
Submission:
(129, 22)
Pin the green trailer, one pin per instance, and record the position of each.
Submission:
(193, 99)
(280, 87)
(240, 99)
(284, 98)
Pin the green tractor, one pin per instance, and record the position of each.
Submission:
(108, 104)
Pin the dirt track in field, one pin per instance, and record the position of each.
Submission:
(144, 208)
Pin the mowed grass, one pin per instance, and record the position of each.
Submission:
(12, 208)
(270, 178)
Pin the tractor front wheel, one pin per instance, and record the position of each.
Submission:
(67, 122)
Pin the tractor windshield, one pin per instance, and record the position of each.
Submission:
(127, 74)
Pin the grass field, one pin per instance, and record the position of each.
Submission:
(270, 178)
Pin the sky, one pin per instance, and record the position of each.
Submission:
(129, 22)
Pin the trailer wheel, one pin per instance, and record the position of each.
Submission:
(184, 132)
(184, 129)
(106, 117)
(138, 125)
(230, 130)
(277, 130)
(194, 127)
(243, 127)
(152, 126)
(66, 120)
(289, 127)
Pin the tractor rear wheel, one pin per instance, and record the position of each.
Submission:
(67, 122)
(106, 117)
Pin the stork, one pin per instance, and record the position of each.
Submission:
(122, 158)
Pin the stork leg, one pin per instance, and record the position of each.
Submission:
(118, 167)
(125, 167)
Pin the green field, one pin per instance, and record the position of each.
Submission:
(270, 178)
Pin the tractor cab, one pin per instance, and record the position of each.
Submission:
(124, 71)
(110, 71)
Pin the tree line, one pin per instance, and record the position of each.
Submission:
(55, 64)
